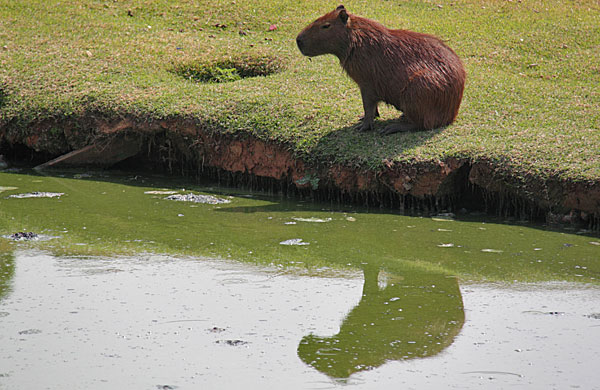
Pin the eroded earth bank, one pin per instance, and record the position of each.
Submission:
(184, 146)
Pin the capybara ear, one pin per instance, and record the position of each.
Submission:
(343, 14)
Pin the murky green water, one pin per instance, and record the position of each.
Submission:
(126, 289)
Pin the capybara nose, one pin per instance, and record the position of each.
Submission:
(300, 42)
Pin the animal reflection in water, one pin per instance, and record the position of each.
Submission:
(413, 315)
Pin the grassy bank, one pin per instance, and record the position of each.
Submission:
(531, 103)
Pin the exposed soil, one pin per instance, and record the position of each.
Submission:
(181, 145)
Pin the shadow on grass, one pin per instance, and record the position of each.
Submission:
(352, 147)
(3, 95)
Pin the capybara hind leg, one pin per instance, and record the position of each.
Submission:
(401, 125)
(363, 126)
(398, 128)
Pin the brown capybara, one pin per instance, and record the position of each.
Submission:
(414, 72)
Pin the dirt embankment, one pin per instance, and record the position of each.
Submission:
(184, 144)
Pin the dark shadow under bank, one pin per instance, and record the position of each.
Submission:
(184, 147)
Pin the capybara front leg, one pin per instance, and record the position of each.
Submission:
(370, 107)
(376, 114)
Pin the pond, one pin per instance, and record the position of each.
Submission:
(147, 282)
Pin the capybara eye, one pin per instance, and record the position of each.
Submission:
(326, 25)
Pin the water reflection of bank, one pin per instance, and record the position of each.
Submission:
(400, 316)
(7, 267)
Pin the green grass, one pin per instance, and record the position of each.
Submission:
(531, 105)
(228, 69)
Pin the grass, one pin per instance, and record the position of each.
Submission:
(228, 69)
(531, 103)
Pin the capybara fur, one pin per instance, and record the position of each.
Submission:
(414, 72)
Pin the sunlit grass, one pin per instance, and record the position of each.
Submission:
(531, 100)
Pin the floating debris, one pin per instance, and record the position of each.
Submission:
(30, 331)
(350, 219)
(2, 188)
(595, 243)
(216, 329)
(289, 223)
(449, 245)
(82, 175)
(494, 373)
(23, 236)
(160, 192)
(487, 250)
(443, 217)
(37, 194)
(294, 241)
(209, 199)
(547, 313)
(29, 236)
(233, 343)
(312, 219)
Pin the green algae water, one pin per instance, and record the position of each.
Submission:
(148, 282)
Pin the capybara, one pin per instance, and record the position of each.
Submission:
(414, 72)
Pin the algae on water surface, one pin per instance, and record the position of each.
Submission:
(105, 214)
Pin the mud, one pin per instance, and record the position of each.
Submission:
(185, 146)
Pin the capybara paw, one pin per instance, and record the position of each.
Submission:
(398, 128)
(364, 126)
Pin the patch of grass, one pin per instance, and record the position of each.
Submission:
(3, 95)
(229, 69)
(530, 105)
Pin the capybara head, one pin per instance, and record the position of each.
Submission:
(326, 35)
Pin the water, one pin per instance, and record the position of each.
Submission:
(125, 289)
